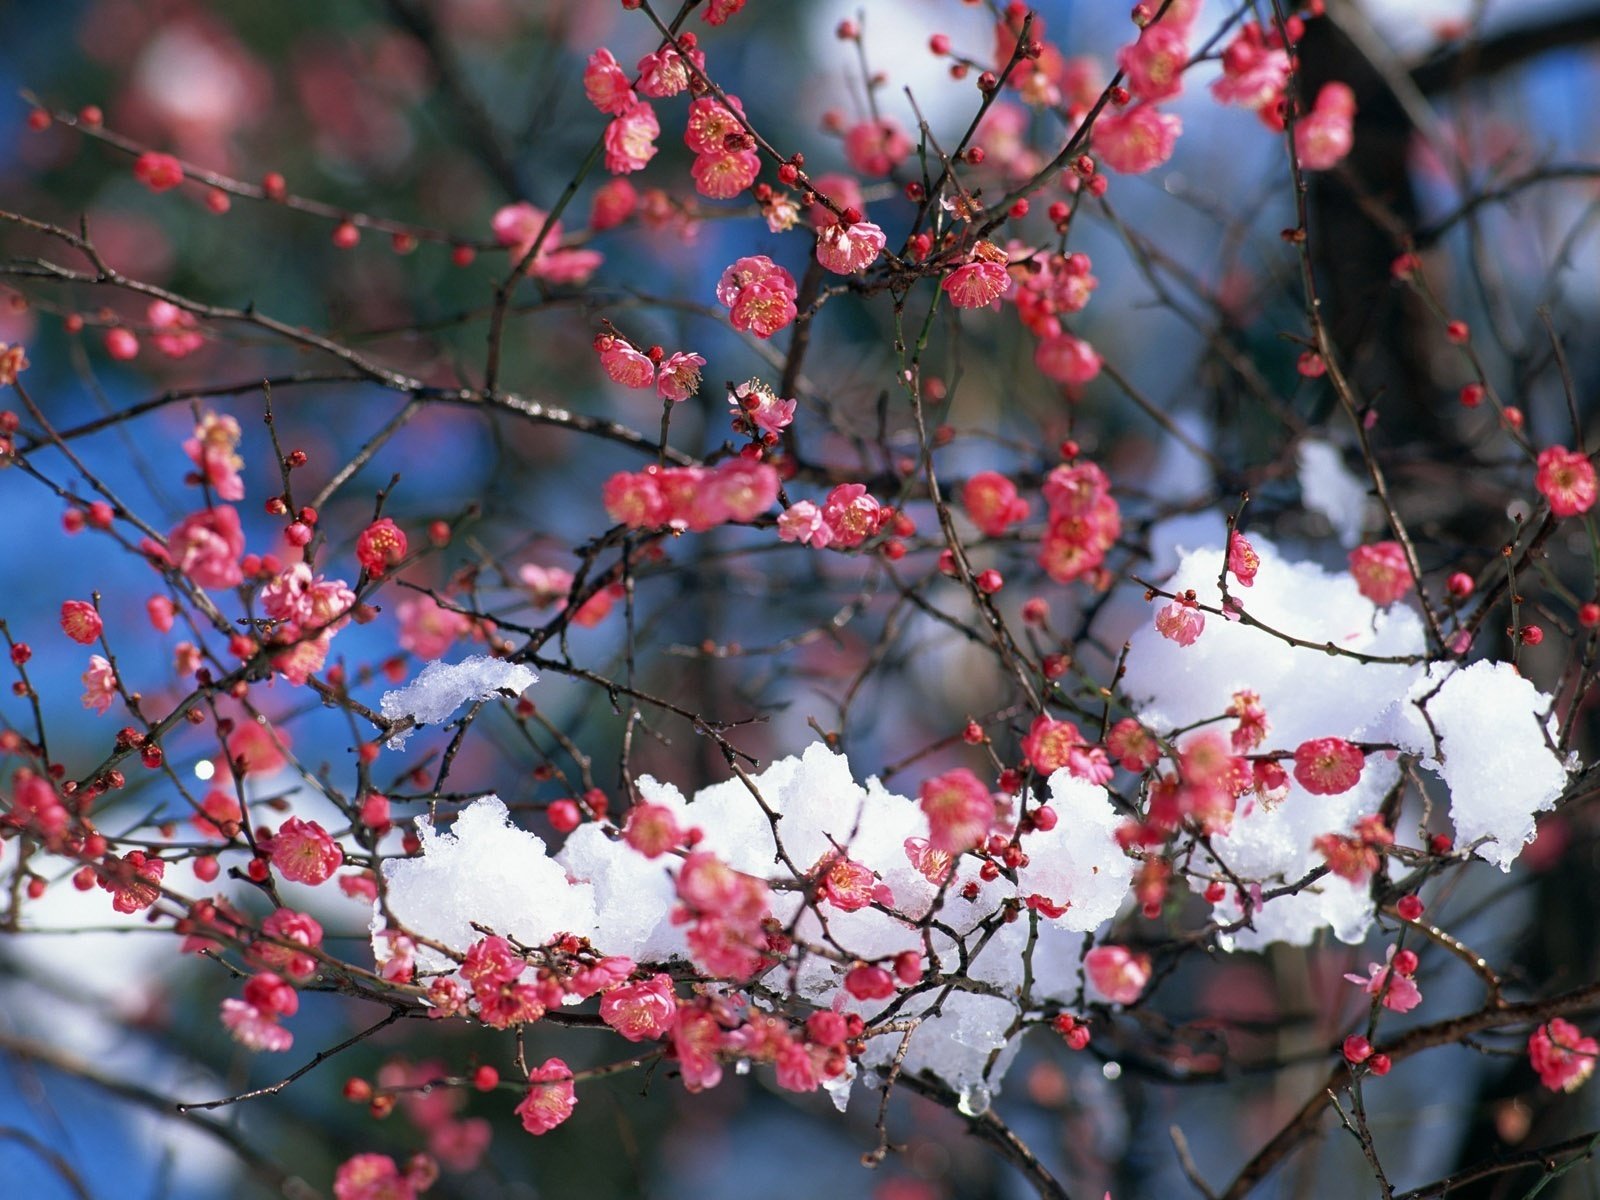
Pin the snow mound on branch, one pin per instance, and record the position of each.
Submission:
(1328, 487)
(443, 687)
(1494, 752)
(484, 871)
(1497, 764)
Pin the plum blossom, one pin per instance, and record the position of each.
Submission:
(1399, 990)
(627, 366)
(1561, 1057)
(802, 522)
(876, 147)
(1137, 140)
(550, 1097)
(678, 377)
(372, 1177)
(1323, 137)
(755, 402)
(206, 546)
(1117, 973)
(427, 629)
(845, 250)
(176, 333)
(651, 829)
(1243, 561)
(991, 501)
(99, 684)
(380, 546)
(851, 515)
(304, 852)
(1381, 572)
(641, 1011)
(1183, 623)
(630, 138)
(1328, 766)
(1067, 359)
(665, 72)
(1153, 66)
(1255, 71)
(518, 227)
(759, 295)
(980, 282)
(959, 809)
(214, 451)
(606, 84)
(1566, 478)
(80, 621)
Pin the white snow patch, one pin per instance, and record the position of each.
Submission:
(443, 687)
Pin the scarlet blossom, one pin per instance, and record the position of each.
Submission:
(606, 84)
(298, 928)
(1566, 478)
(802, 522)
(35, 805)
(372, 1177)
(679, 376)
(176, 333)
(630, 139)
(1251, 730)
(876, 147)
(1347, 857)
(99, 684)
(846, 250)
(550, 1097)
(133, 880)
(80, 621)
(1381, 572)
(866, 982)
(1067, 359)
(1153, 66)
(1561, 1056)
(652, 829)
(1117, 973)
(718, 12)
(214, 451)
(624, 364)
(304, 852)
(1137, 140)
(1400, 992)
(959, 809)
(206, 546)
(1182, 623)
(1254, 73)
(122, 344)
(1323, 137)
(427, 629)
(158, 172)
(641, 1012)
(217, 810)
(991, 501)
(1328, 766)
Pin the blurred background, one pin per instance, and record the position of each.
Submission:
(439, 112)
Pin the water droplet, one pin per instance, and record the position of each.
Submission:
(1112, 1070)
(742, 1067)
(973, 1100)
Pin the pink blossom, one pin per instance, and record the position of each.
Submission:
(99, 684)
(517, 226)
(214, 451)
(550, 1097)
(1067, 359)
(755, 402)
(1049, 743)
(724, 174)
(842, 191)
(303, 852)
(630, 139)
(978, 283)
(601, 976)
(852, 516)
(1381, 572)
(287, 925)
(427, 629)
(253, 1028)
(744, 488)
(1090, 763)
(759, 295)
(959, 809)
(1566, 479)
(1137, 140)
(614, 202)
(1134, 746)
(634, 499)
(176, 334)
(624, 364)
(991, 501)
(1323, 137)
(934, 865)
(1153, 65)
(206, 546)
(372, 1177)
(718, 12)
(80, 621)
(134, 880)
(711, 125)
(1183, 623)
(665, 73)
(679, 376)
(847, 885)
(696, 1038)
(844, 251)
(1328, 766)
(1117, 973)
(1561, 1056)
(652, 829)
(802, 522)
(1254, 74)
(380, 546)
(876, 147)
(1243, 561)
(158, 172)
(643, 1011)
(606, 85)
(1400, 992)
